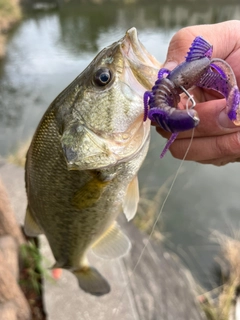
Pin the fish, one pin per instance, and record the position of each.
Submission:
(82, 164)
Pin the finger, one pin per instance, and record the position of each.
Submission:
(209, 148)
(220, 162)
(213, 121)
(222, 36)
(218, 35)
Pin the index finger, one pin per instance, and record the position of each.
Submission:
(223, 37)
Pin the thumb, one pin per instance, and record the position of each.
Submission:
(220, 35)
(178, 48)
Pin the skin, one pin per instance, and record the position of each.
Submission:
(216, 139)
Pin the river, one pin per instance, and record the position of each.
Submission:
(49, 48)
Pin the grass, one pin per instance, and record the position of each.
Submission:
(31, 263)
(150, 206)
(30, 277)
(223, 307)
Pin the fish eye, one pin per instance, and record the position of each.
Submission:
(102, 77)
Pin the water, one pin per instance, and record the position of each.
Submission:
(50, 48)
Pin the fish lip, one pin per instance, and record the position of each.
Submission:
(131, 37)
(131, 41)
(142, 64)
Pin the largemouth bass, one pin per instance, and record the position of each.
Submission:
(82, 164)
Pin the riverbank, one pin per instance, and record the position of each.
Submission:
(10, 14)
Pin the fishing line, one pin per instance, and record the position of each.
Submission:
(156, 221)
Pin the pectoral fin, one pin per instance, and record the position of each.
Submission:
(131, 200)
(89, 194)
(31, 227)
(113, 244)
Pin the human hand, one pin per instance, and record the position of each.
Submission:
(216, 139)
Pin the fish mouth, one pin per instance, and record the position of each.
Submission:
(142, 64)
(132, 47)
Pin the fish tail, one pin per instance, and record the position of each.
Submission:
(91, 281)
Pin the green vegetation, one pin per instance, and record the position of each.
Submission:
(223, 307)
(31, 272)
(31, 260)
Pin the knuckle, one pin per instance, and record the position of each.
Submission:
(227, 144)
(183, 34)
(180, 42)
(220, 163)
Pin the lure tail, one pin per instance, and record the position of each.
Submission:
(167, 146)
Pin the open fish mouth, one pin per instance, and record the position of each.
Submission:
(143, 65)
(132, 47)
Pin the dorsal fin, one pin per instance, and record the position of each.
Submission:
(199, 49)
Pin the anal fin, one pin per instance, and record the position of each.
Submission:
(113, 244)
(31, 228)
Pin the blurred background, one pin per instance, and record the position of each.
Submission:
(54, 41)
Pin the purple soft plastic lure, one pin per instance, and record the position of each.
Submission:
(161, 104)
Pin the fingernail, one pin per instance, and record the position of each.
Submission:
(170, 65)
(224, 121)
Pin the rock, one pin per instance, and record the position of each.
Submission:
(8, 223)
(11, 295)
(9, 250)
(13, 305)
